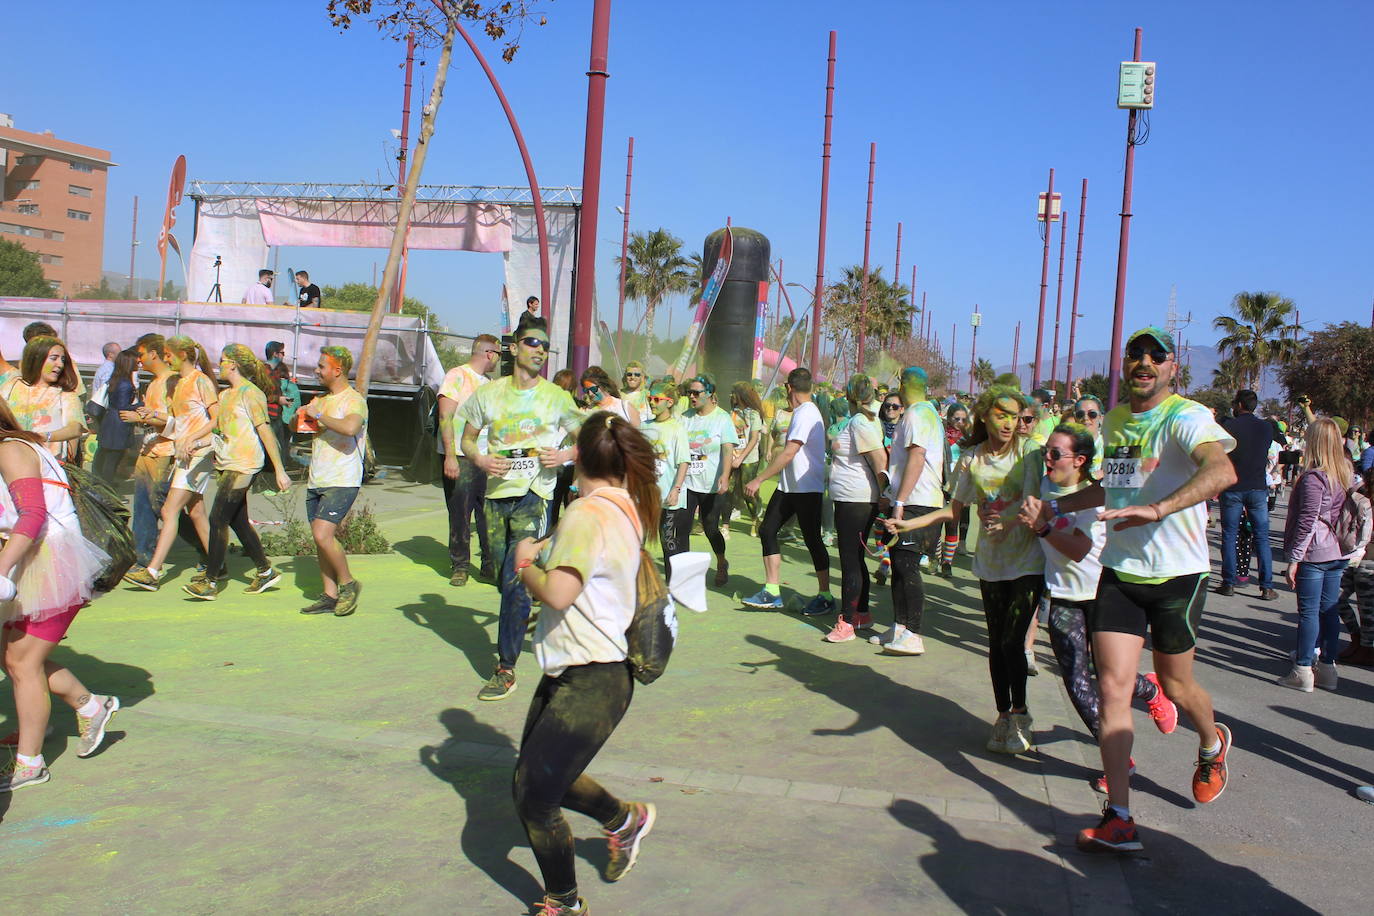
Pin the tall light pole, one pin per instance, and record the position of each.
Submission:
(1016, 352)
(624, 242)
(133, 250)
(825, 206)
(1046, 213)
(1077, 276)
(973, 351)
(863, 287)
(1058, 305)
(1124, 243)
(897, 278)
(954, 355)
(597, 75)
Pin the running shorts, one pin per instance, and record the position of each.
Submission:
(1169, 612)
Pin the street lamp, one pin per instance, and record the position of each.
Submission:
(975, 320)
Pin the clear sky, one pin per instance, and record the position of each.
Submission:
(1256, 174)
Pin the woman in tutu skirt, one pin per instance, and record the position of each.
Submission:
(47, 568)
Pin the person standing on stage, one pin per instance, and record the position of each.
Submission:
(260, 293)
(309, 295)
(465, 484)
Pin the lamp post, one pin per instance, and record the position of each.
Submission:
(863, 290)
(1058, 305)
(825, 206)
(1047, 214)
(1077, 276)
(591, 186)
(976, 320)
(624, 242)
(1123, 248)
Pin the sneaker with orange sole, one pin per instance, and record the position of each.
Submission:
(1209, 780)
(1100, 783)
(1162, 709)
(1112, 834)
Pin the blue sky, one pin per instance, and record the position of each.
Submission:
(1256, 175)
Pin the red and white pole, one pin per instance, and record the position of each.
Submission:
(1044, 283)
(819, 294)
(585, 310)
(624, 243)
(868, 235)
(1077, 276)
(1122, 253)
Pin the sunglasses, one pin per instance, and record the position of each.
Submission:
(695, 392)
(1025, 419)
(892, 407)
(659, 399)
(1157, 355)
(535, 342)
(1085, 415)
(1053, 454)
(634, 375)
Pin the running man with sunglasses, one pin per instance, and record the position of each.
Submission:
(1165, 457)
(528, 421)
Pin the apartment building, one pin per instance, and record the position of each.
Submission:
(53, 202)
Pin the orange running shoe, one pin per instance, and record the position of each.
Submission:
(1209, 781)
(1162, 709)
(1112, 834)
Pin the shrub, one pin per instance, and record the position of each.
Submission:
(358, 533)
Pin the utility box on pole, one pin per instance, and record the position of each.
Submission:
(1055, 207)
(1136, 87)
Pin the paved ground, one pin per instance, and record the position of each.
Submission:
(269, 761)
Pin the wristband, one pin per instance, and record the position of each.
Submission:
(1054, 507)
(1044, 530)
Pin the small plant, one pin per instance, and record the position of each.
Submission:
(358, 533)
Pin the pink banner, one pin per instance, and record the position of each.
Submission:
(434, 225)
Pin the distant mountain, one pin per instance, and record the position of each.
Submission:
(1202, 360)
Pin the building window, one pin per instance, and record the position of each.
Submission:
(28, 209)
(50, 258)
(30, 185)
(81, 167)
(81, 215)
(53, 235)
(56, 285)
(29, 160)
(12, 229)
(78, 191)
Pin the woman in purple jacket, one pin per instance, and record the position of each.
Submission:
(1315, 559)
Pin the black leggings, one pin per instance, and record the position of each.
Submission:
(807, 508)
(1009, 608)
(570, 718)
(908, 588)
(230, 510)
(708, 506)
(852, 524)
(1069, 639)
(674, 529)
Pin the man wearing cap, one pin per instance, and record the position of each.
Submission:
(1249, 494)
(1165, 457)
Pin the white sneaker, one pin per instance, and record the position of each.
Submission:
(1019, 738)
(1326, 676)
(884, 638)
(925, 562)
(1365, 794)
(908, 643)
(1300, 678)
(997, 743)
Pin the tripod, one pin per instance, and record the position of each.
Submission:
(215, 293)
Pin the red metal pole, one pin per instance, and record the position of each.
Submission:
(1016, 352)
(133, 249)
(585, 305)
(954, 356)
(777, 302)
(897, 278)
(1077, 276)
(1058, 302)
(624, 243)
(398, 294)
(825, 206)
(925, 323)
(863, 289)
(973, 355)
(1044, 283)
(1122, 251)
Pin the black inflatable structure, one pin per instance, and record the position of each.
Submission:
(727, 346)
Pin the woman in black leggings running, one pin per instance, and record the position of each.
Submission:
(712, 439)
(587, 586)
(1072, 545)
(858, 474)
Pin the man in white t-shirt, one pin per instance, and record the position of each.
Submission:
(800, 493)
(916, 475)
(465, 484)
(1165, 456)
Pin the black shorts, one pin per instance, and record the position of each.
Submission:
(1169, 612)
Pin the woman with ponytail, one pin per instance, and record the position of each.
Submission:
(243, 435)
(191, 415)
(47, 575)
(587, 586)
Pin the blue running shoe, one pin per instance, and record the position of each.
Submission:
(818, 606)
(764, 600)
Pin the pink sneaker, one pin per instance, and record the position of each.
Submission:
(1100, 783)
(1162, 709)
(843, 632)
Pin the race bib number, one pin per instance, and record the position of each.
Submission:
(1121, 469)
(524, 464)
(698, 465)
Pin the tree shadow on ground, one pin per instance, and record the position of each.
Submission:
(459, 626)
(1294, 753)
(426, 551)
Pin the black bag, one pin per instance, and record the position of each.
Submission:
(104, 522)
(652, 632)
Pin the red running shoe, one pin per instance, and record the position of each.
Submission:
(1209, 781)
(1100, 783)
(1162, 709)
(1112, 834)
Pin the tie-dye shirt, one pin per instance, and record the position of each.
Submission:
(519, 422)
(748, 422)
(44, 410)
(336, 460)
(237, 446)
(669, 439)
(983, 477)
(190, 414)
(459, 384)
(1147, 456)
(706, 433)
(157, 445)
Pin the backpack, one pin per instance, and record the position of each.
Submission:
(104, 522)
(652, 632)
(1354, 523)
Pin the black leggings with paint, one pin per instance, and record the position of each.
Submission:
(674, 528)
(570, 718)
(852, 524)
(230, 510)
(807, 508)
(1008, 608)
(908, 588)
(1070, 641)
(707, 507)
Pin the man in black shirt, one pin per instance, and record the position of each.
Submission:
(1250, 493)
(310, 293)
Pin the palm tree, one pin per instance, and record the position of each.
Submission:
(886, 314)
(1232, 373)
(1260, 335)
(655, 267)
(984, 373)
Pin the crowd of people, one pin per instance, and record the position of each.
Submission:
(1092, 522)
